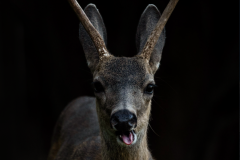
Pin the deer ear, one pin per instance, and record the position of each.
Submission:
(89, 48)
(147, 23)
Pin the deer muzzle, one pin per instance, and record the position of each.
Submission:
(124, 122)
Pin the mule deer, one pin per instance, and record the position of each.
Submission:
(112, 126)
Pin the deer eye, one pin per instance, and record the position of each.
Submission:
(97, 87)
(149, 89)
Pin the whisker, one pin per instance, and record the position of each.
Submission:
(158, 104)
(153, 130)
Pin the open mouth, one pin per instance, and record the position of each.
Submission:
(127, 137)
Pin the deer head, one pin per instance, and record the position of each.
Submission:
(123, 86)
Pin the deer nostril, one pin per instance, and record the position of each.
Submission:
(133, 121)
(114, 122)
(132, 124)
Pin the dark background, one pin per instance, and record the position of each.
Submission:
(42, 68)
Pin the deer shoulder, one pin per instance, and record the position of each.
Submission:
(76, 134)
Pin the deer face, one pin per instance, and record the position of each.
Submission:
(123, 86)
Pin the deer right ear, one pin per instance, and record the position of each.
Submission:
(89, 48)
(146, 25)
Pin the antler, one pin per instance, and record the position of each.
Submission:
(95, 36)
(153, 38)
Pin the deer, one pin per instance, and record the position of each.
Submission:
(112, 125)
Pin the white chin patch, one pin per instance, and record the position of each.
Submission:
(157, 65)
(89, 63)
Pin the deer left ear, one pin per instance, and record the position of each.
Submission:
(146, 25)
(89, 48)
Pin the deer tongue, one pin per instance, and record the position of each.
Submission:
(127, 138)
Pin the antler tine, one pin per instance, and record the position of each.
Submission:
(153, 38)
(95, 36)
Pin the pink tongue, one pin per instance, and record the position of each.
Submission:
(127, 139)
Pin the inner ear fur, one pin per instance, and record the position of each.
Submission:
(146, 25)
(89, 48)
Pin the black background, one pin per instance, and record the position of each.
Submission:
(43, 68)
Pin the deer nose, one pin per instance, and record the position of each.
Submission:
(123, 120)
